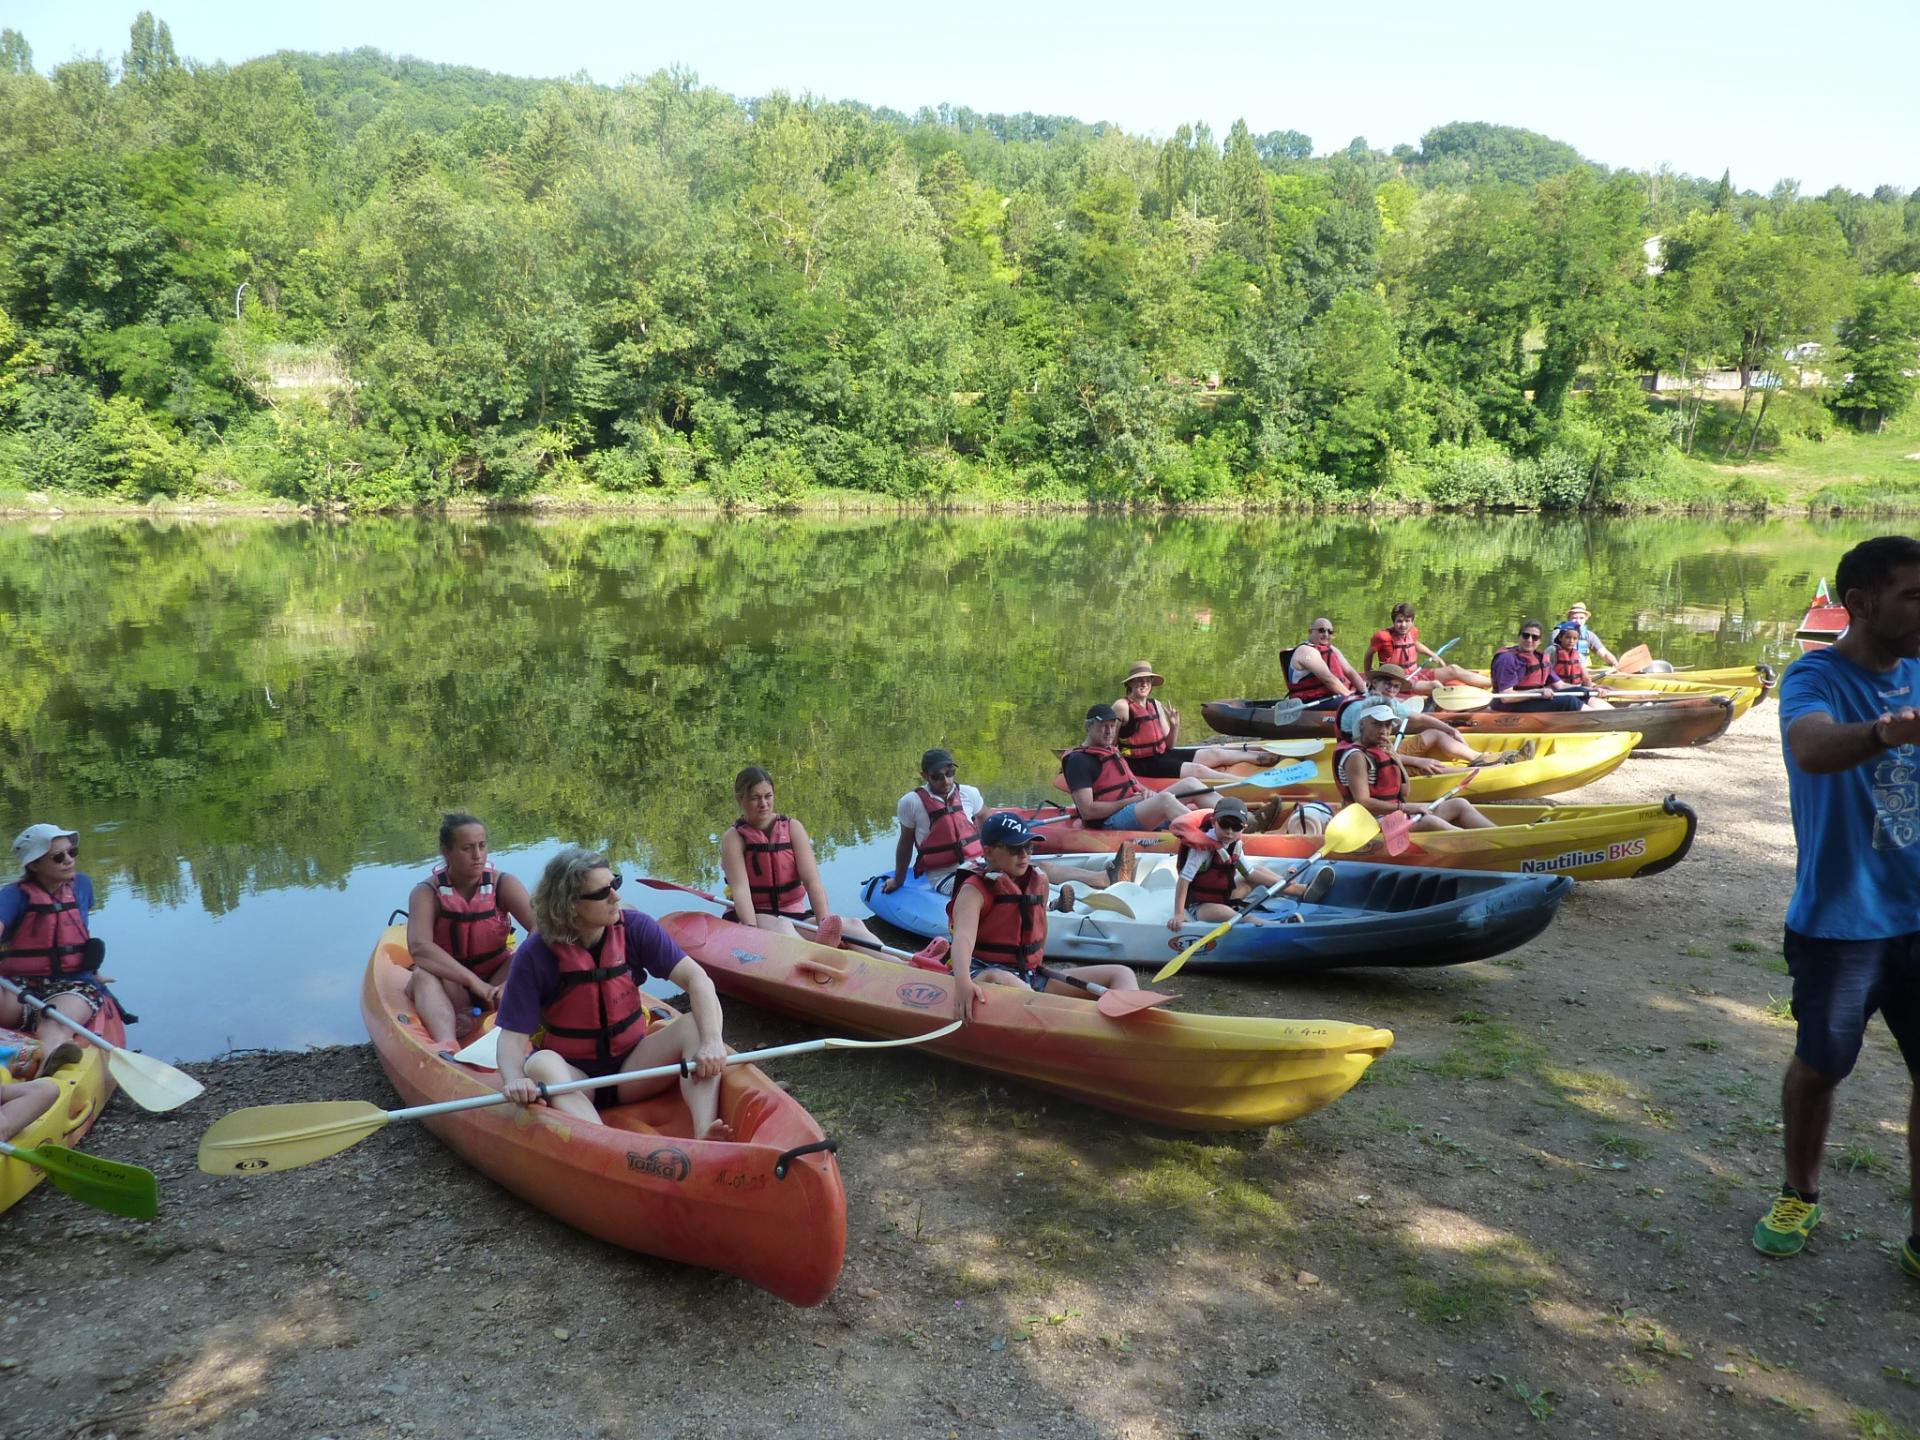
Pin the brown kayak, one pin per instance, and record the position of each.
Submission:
(1663, 724)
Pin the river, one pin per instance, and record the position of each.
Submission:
(254, 726)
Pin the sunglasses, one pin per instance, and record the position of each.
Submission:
(948, 773)
(1529, 634)
(605, 890)
(73, 854)
(1317, 630)
(1234, 825)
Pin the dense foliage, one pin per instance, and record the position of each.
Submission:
(459, 283)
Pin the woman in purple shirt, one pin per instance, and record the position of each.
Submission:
(587, 947)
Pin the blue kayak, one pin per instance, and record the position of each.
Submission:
(1375, 915)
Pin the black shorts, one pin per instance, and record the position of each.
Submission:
(1163, 767)
(1837, 986)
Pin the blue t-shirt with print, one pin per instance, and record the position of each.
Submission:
(1857, 876)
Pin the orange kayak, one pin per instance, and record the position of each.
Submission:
(636, 1180)
(1191, 1072)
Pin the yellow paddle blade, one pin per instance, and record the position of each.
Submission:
(1460, 697)
(1172, 967)
(1352, 828)
(265, 1138)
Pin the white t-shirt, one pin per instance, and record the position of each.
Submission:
(914, 819)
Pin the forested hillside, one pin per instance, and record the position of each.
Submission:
(461, 284)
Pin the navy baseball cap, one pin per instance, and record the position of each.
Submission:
(1000, 828)
(934, 760)
(1101, 712)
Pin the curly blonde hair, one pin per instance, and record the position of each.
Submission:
(558, 892)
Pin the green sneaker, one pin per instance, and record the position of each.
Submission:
(1783, 1230)
(1910, 1258)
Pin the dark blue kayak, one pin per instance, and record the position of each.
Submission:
(1375, 915)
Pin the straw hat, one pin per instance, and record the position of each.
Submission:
(1142, 670)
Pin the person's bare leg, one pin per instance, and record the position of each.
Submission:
(1806, 1110)
(432, 1004)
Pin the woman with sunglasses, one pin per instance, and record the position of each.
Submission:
(1526, 666)
(1318, 675)
(771, 872)
(458, 925)
(45, 946)
(575, 982)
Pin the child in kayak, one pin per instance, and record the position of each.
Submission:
(1214, 876)
(1370, 774)
(998, 916)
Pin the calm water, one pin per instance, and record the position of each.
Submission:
(255, 726)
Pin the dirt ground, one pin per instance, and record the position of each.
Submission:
(1533, 1216)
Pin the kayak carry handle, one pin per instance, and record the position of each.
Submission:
(785, 1162)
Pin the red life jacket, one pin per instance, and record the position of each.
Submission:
(773, 873)
(1146, 732)
(1013, 922)
(1115, 779)
(1385, 779)
(952, 838)
(1569, 666)
(1538, 672)
(597, 1016)
(49, 939)
(1310, 686)
(1214, 884)
(1404, 653)
(472, 930)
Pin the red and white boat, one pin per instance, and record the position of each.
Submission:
(1824, 623)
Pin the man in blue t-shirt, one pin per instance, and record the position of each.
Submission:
(1850, 722)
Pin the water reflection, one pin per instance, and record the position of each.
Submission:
(256, 725)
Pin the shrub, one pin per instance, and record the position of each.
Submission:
(765, 473)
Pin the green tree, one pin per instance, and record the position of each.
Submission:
(1880, 347)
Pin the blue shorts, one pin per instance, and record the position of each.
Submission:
(1032, 979)
(1838, 984)
(1127, 817)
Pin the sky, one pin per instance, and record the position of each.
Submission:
(1822, 95)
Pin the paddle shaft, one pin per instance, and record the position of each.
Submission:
(54, 1012)
(682, 1068)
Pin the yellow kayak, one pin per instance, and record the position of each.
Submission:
(1756, 680)
(85, 1088)
(1744, 697)
(1559, 763)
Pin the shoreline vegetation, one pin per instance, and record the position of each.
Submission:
(358, 283)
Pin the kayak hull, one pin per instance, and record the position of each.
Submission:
(1584, 842)
(1560, 763)
(85, 1087)
(1187, 1072)
(1375, 916)
(1686, 691)
(1665, 725)
(637, 1181)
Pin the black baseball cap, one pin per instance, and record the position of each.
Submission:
(935, 759)
(1101, 712)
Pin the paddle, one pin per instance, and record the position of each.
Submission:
(1281, 712)
(1351, 829)
(1293, 747)
(1634, 661)
(109, 1185)
(1446, 647)
(928, 953)
(266, 1138)
(1114, 1004)
(153, 1084)
(1271, 779)
(1472, 697)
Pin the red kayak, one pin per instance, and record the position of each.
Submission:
(766, 1205)
(1824, 622)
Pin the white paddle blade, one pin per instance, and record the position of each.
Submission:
(151, 1084)
(839, 1043)
(484, 1052)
